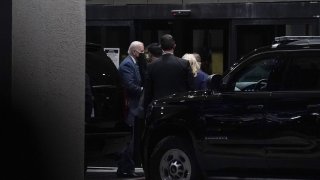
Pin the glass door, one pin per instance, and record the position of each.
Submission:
(205, 37)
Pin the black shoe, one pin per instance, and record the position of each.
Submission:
(127, 175)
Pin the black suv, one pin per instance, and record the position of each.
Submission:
(105, 130)
(262, 116)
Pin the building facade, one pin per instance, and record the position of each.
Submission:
(220, 31)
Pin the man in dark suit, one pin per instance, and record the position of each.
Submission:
(154, 52)
(132, 83)
(168, 74)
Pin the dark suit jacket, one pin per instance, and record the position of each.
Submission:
(131, 80)
(201, 80)
(167, 75)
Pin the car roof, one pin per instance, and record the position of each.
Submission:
(93, 47)
(297, 42)
(288, 43)
(285, 43)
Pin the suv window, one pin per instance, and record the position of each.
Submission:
(304, 72)
(256, 76)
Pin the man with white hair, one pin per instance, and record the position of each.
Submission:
(132, 84)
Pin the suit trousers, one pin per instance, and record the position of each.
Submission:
(126, 163)
(130, 156)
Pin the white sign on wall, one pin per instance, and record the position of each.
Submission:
(114, 55)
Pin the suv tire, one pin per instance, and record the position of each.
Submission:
(173, 158)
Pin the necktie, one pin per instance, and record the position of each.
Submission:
(137, 73)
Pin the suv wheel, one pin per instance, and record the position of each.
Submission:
(173, 159)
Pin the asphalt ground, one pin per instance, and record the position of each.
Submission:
(109, 173)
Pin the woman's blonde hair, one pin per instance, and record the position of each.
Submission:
(193, 63)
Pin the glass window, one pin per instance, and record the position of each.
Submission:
(93, 34)
(209, 43)
(255, 76)
(110, 37)
(304, 73)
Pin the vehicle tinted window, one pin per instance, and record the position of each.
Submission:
(101, 69)
(304, 72)
(255, 76)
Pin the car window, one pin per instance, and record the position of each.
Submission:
(101, 69)
(255, 75)
(303, 72)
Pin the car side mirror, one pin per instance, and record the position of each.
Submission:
(214, 82)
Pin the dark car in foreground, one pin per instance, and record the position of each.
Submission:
(260, 117)
(105, 131)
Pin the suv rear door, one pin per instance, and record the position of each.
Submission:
(235, 117)
(107, 94)
(292, 125)
(105, 131)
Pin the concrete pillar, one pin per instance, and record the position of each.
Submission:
(5, 56)
(48, 72)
